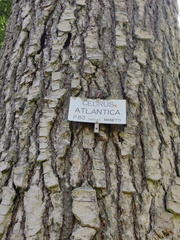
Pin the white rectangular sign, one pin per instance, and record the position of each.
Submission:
(97, 111)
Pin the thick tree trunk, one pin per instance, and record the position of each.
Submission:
(59, 180)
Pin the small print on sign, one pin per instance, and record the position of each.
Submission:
(97, 111)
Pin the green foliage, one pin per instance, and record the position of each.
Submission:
(5, 10)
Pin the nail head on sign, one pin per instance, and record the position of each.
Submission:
(99, 94)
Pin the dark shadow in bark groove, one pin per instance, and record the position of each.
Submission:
(43, 39)
(17, 202)
(46, 215)
(68, 41)
(176, 159)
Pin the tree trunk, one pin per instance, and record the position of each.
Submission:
(60, 180)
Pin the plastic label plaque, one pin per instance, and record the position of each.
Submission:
(97, 111)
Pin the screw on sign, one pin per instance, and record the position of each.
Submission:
(96, 127)
(98, 94)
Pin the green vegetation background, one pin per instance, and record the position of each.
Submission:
(5, 10)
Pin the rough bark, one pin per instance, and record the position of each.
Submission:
(59, 180)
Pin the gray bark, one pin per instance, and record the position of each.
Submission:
(59, 179)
